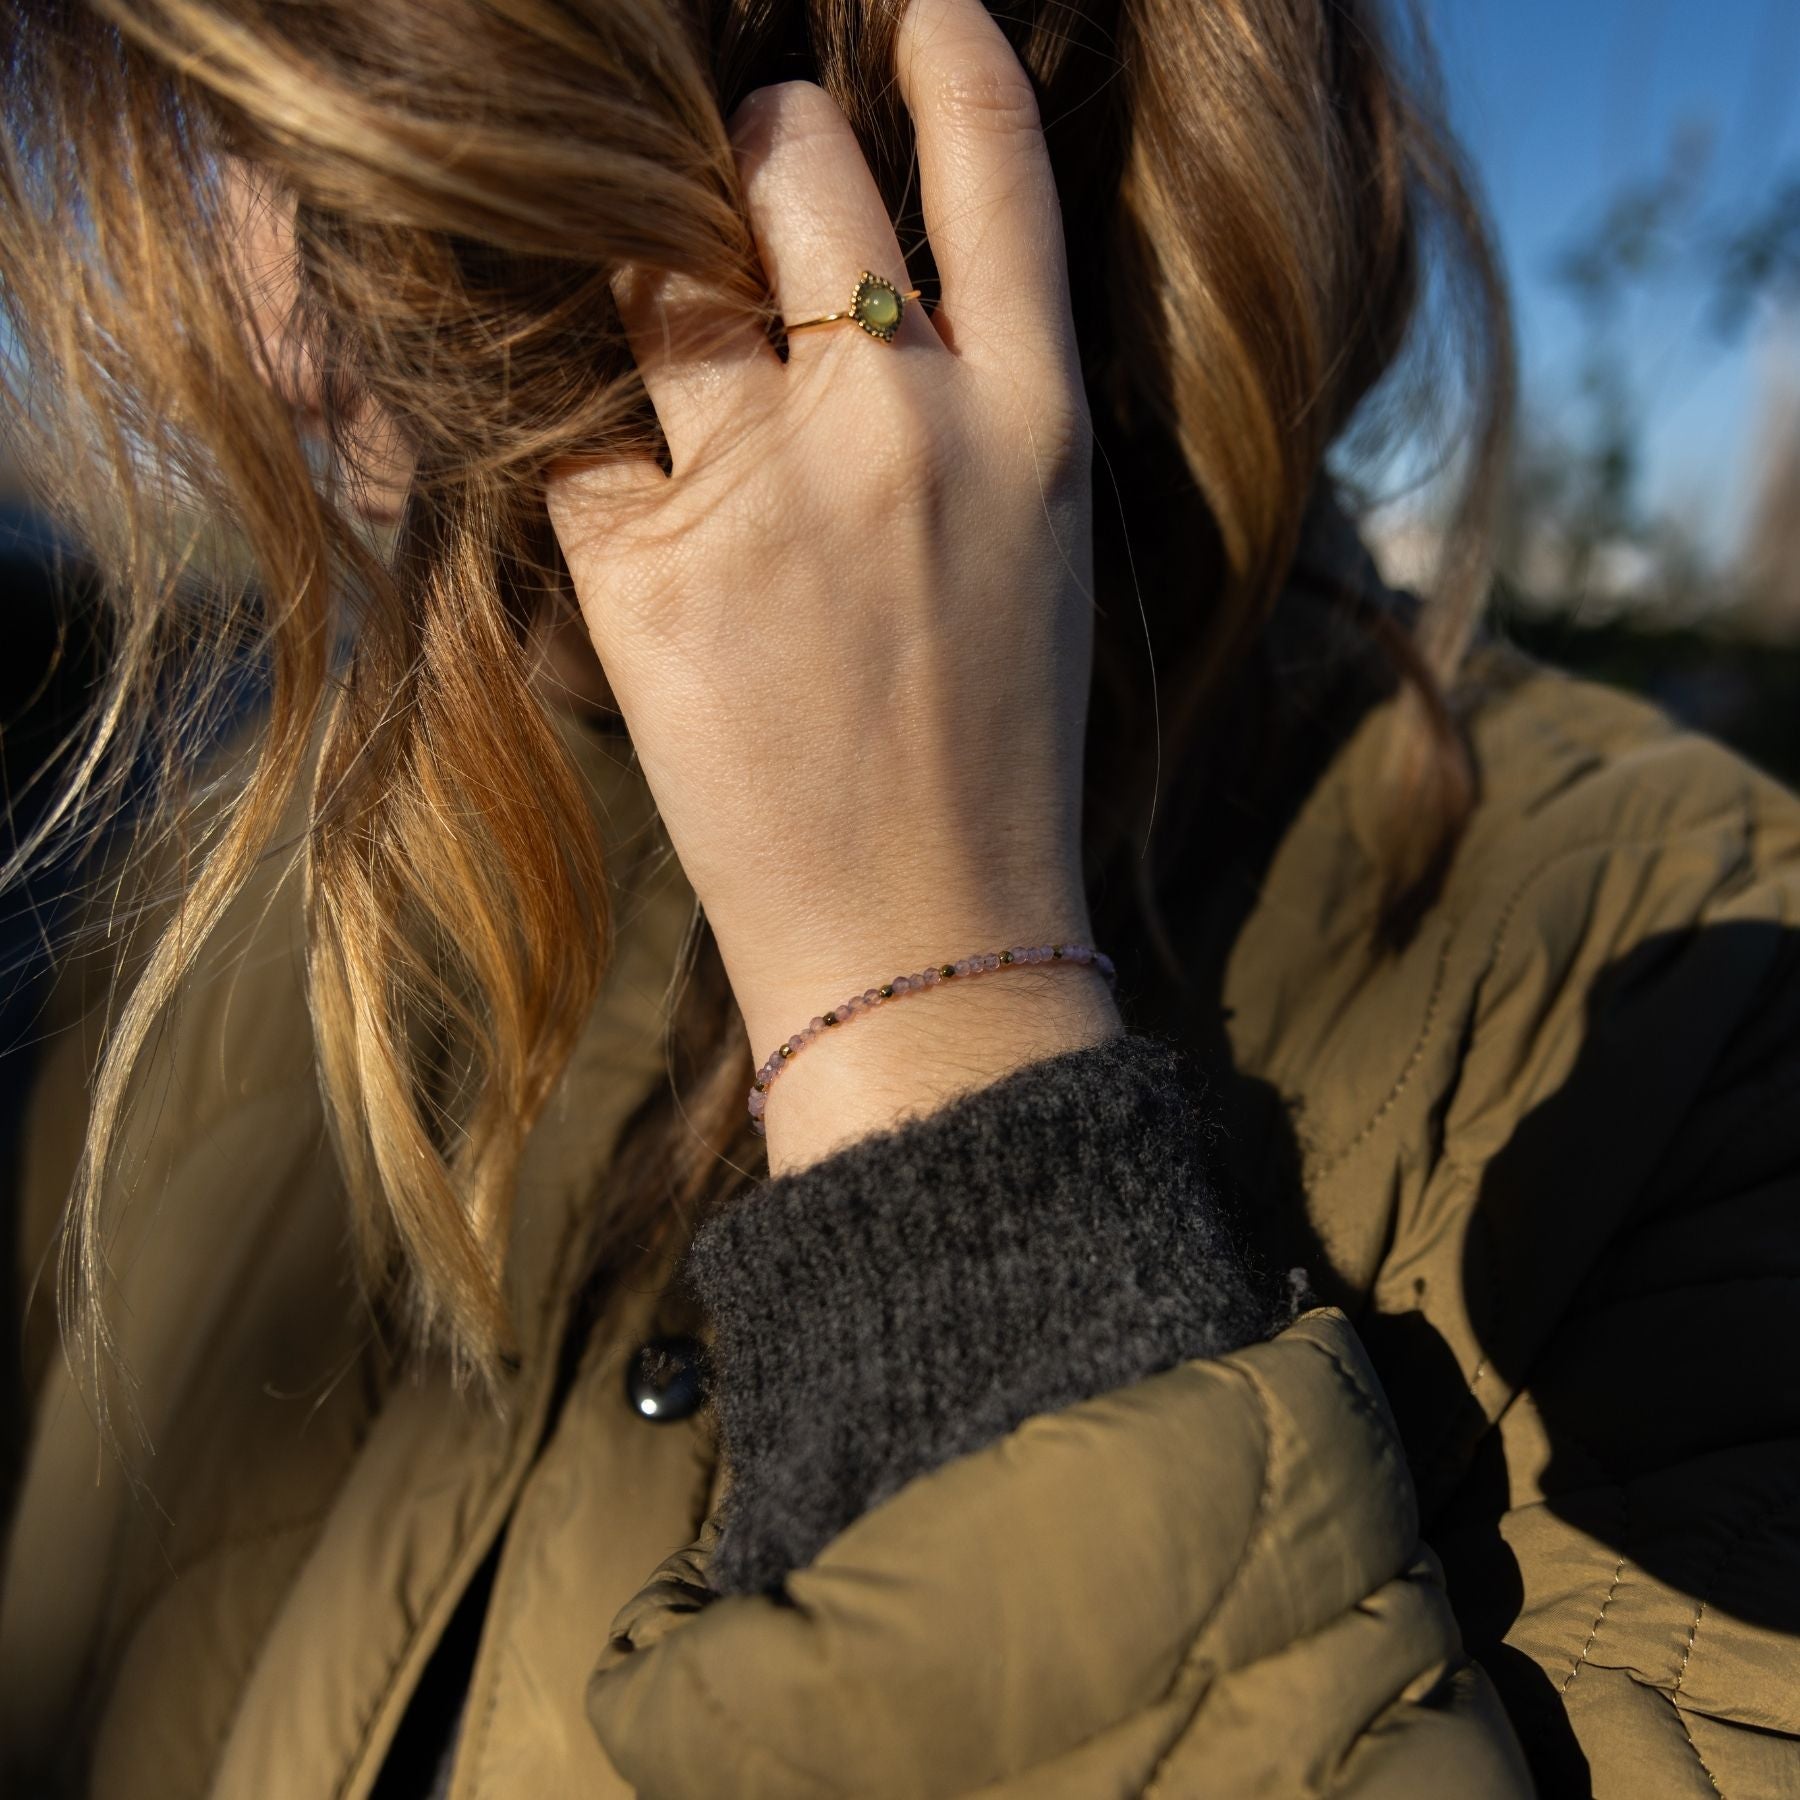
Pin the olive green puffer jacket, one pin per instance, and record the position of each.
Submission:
(1517, 1504)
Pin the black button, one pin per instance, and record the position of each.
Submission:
(666, 1379)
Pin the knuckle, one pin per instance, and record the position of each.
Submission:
(1045, 423)
(1066, 436)
(904, 449)
(904, 435)
(1047, 461)
(986, 97)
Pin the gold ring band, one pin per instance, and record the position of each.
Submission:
(875, 304)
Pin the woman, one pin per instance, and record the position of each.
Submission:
(1261, 919)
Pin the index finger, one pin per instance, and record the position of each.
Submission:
(985, 183)
(699, 361)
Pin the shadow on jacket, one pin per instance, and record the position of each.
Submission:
(1583, 1315)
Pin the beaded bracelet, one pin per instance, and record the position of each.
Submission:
(858, 1004)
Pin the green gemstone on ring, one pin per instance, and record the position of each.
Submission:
(877, 306)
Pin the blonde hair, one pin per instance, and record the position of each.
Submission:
(1258, 191)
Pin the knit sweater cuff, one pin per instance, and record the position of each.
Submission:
(920, 1292)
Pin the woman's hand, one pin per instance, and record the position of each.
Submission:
(851, 633)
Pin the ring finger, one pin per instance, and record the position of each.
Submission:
(818, 218)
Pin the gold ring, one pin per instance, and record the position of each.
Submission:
(875, 304)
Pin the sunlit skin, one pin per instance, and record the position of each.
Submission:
(851, 632)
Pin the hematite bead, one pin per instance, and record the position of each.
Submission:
(947, 970)
(831, 1018)
(886, 992)
(1006, 956)
(1056, 951)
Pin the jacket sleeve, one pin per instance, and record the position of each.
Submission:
(1037, 1486)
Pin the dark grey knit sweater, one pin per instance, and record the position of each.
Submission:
(920, 1292)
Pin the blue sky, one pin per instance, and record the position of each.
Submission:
(1558, 101)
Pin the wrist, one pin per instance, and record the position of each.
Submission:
(915, 1053)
